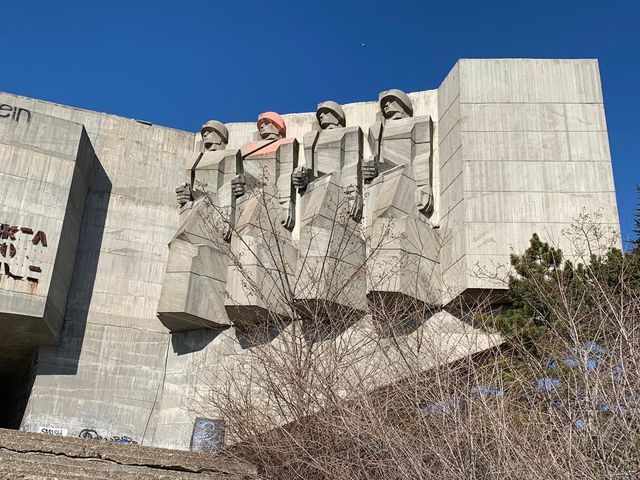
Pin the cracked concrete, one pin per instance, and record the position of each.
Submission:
(35, 456)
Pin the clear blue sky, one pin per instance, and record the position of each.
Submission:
(178, 63)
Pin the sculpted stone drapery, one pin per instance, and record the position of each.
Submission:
(403, 246)
(263, 256)
(330, 268)
(193, 290)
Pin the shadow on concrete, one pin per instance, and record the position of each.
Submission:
(14, 395)
(477, 304)
(253, 335)
(326, 320)
(324, 329)
(194, 340)
(63, 358)
(396, 314)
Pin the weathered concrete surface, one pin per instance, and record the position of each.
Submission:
(523, 148)
(36, 456)
(119, 371)
(218, 359)
(107, 371)
(45, 167)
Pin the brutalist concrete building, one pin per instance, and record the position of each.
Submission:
(117, 304)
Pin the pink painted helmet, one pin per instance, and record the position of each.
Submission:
(274, 118)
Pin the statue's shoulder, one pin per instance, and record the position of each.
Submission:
(416, 128)
(213, 159)
(375, 128)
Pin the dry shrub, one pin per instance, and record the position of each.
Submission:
(393, 395)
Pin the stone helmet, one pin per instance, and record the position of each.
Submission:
(335, 109)
(274, 118)
(398, 95)
(218, 127)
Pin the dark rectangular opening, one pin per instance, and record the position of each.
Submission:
(14, 395)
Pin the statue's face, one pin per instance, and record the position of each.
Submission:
(268, 130)
(212, 141)
(328, 120)
(392, 109)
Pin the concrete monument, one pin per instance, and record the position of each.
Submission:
(262, 251)
(330, 272)
(403, 245)
(93, 248)
(193, 291)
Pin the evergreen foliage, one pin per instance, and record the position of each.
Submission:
(546, 289)
(636, 223)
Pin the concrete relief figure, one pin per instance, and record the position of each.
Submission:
(262, 252)
(403, 246)
(399, 138)
(193, 291)
(330, 275)
(216, 174)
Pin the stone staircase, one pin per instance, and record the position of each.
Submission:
(30, 456)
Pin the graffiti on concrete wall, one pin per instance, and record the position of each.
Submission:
(93, 435)
(208, 435)
(14, 113)
(57, 432)
(21, 251)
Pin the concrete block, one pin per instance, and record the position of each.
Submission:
(516, 146)
(529, 81)
(529, 176)
(512, 207)
(41, 219)
(513, 117)
(449, 119)
(585, 117)
(591, 146)
(449, 172)
(449, 90)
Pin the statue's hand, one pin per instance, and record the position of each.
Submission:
(424, 199)
(370, 168)
(289, 220)
(238, 185)
(184, 194)
(300, 177)
(356, 206)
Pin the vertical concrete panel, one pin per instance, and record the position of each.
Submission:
(45, 165)
(108, 370)
(536, 154)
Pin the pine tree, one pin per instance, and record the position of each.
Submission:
(532, 289)
(636, 222)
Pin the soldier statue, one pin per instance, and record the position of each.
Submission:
(193, 290)
(402, 244)
(260, 280)
(330, 276)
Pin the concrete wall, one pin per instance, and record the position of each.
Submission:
(45, 166)
(524, 149)
(521, 146)
(107, 371)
